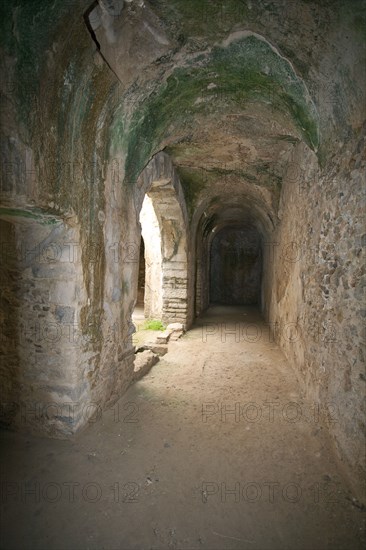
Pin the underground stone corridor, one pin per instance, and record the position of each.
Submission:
(182, 242)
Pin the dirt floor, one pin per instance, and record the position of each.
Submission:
(214, 449)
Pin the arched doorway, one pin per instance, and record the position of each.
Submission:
(230, 254)
(163, 224)
(150, 280)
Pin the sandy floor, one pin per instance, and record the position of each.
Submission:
(214, 449)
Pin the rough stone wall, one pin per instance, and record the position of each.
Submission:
(201, 289)
(43, 380)
(314, 288)
(141, 277)
(57, 99)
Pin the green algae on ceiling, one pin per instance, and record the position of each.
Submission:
(246, 71)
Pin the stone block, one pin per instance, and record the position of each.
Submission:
(159, 349)
(176, 335)
(163, 338)
(144, 361)
(175, 327)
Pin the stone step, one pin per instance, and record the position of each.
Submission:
(163, 338)
(176, 335)
(144, 361)
(159, 349)
(172, 332)
(175, 327)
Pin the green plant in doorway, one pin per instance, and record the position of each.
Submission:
(153, 324)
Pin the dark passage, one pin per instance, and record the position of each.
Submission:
(141, 276)
(236, 266)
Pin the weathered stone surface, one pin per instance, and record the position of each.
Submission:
(144, 361)
(158, 349)
(175, 327)
(163, 338)
(176, 335)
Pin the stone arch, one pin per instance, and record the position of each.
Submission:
(211, 218)
(159, 182)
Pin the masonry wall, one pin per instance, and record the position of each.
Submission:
(67, 351)
(314, 294)
(43, 374)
